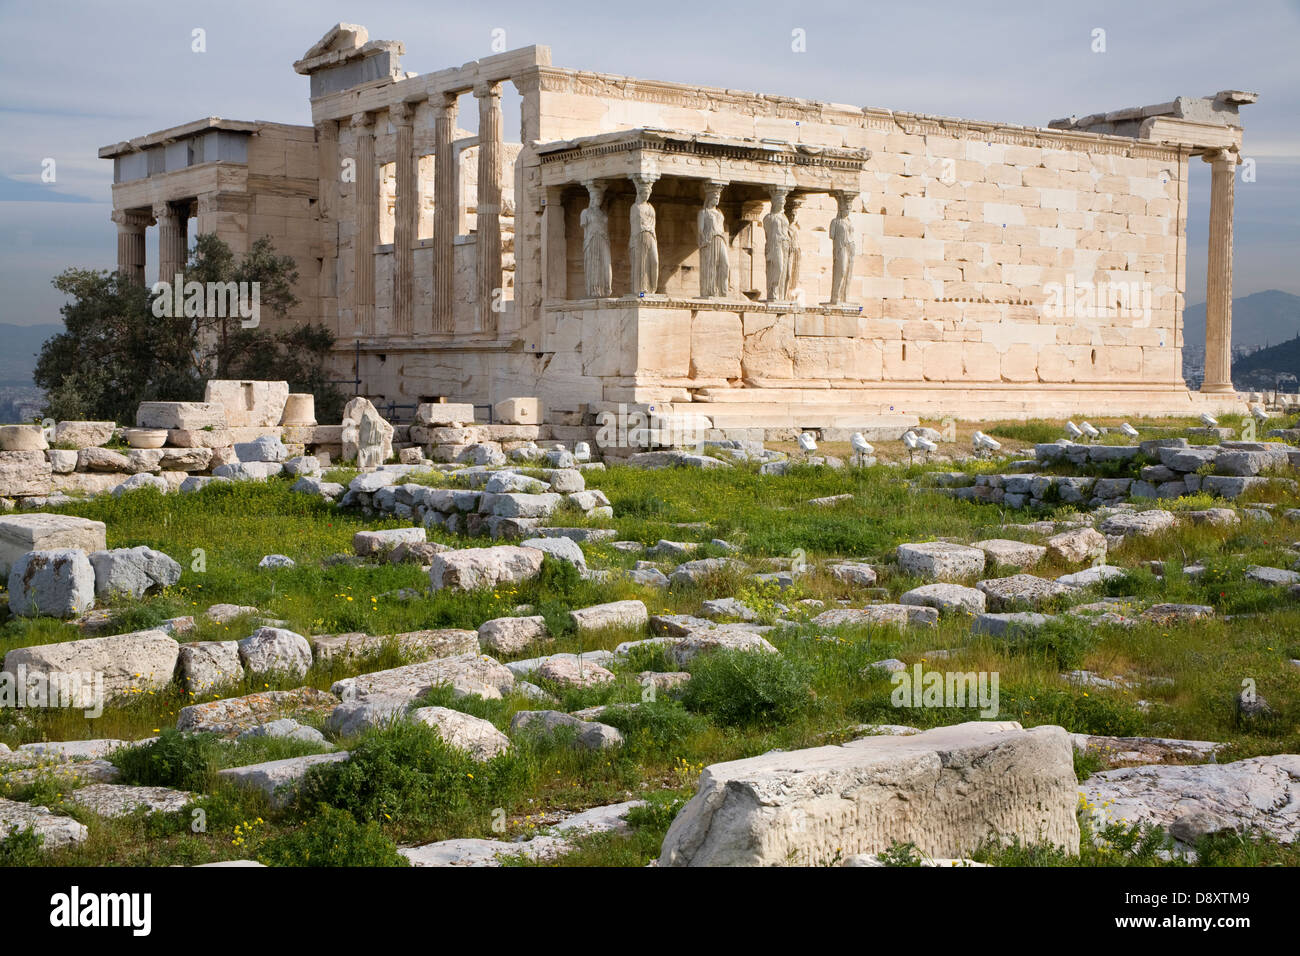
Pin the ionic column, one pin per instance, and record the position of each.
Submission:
(363, 245)
(130, 243)
(172, 244)
(1218, 292)
(404, 225)
(444, 214)
(488, 243)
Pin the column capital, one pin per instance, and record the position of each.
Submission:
(163, 210)
(131, 218)
(489, 89)
(361, 120)
(399, 114)
(1227, 155)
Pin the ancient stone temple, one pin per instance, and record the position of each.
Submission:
(764, 261)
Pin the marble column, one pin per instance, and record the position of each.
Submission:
(1218, 293)
(172, 242)
(404, 223)
(488, 217)
(130, 243)
(363, 243)
(445, 203)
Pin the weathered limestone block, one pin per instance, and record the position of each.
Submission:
(368, 713)
(210, 437)
(854, 572)
(132, 571)
(103, 459)
(724, 637)
(187, 415)
(439, 642)
(366, 543)
(118, 800)
(131, 663)
(940, 560)
(45, 532)
(366, 436)
(248, 404)
(1011, 554)
(899, 615)
(279, 779)
(83, 434)
(472, 568)
(629, 614)
(444, 413)
(1074, 547)
(22, 438)
(1020, 591)
(573, 672)
(588, 734)
(465, 674)
(276, 650)
(560, 548)
(55, 831)
(510, 635)
(57, 583)
(207, 665)
(518, 411)
(1260, 794)
(63, 461)
(24, 473)
(945, 790)
(1140, 523)
(476, 736)
(264, 448)
(185, 459)
(945, 597)
(233, 715)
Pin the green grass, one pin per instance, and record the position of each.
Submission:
(402, 786)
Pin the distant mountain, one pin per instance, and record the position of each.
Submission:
(19, 345)
(1264, 318)
(1261, 370)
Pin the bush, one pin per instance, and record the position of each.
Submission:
(405, 776)
(182, 761)
(332, 838)
(736, 688)
(21, 848)
(661, 726)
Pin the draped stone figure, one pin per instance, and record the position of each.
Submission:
(714, 268)
(843, 249)
(642, 244)
(791, 213)
(776, 228)
(595, 244)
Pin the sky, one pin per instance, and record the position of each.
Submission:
(94, 73)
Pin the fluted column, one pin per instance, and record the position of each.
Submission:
(1218, 292)
(488, 243)
(363, 246)
(444, 214)
(172, 244)
(404, 224)
(130, 243)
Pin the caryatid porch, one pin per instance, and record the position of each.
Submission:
(657, 216)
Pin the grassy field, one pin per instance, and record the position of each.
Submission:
(404, 787)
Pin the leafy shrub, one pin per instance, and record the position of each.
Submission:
(736, 688)
(332, 837)
(659, 726)
(21, 848)
(405, 776)
(183, 761)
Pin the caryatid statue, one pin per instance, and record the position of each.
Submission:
(791, 213)
(642, 244)
(714, 267)
(843, 248)
(776, 228)
(595, 243)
